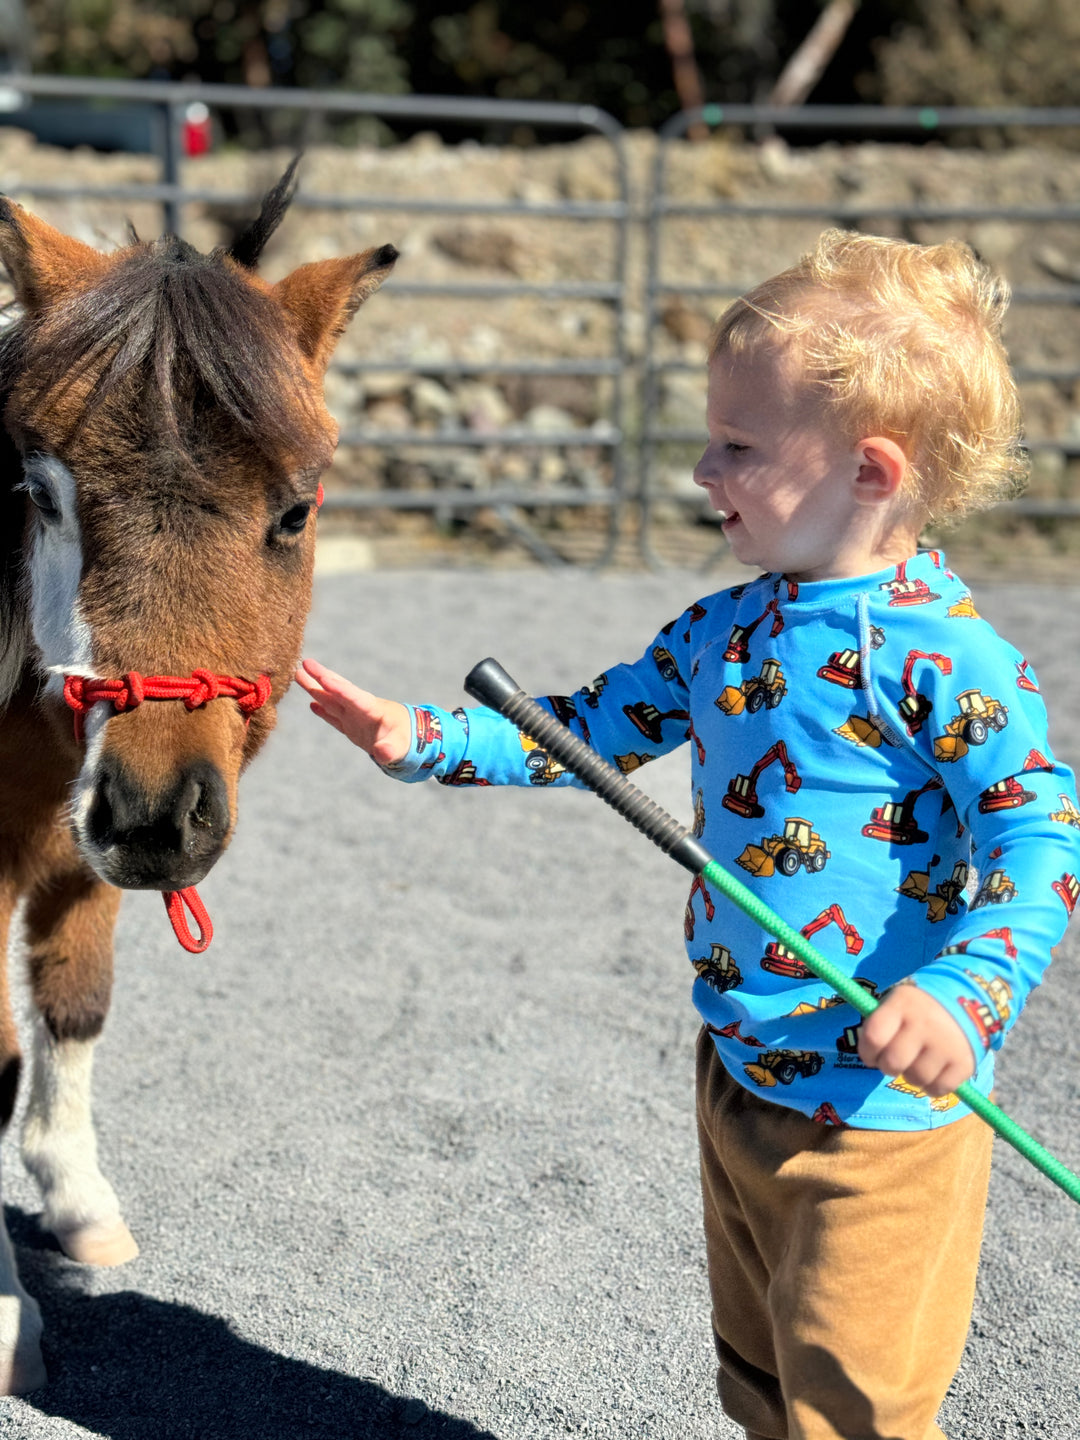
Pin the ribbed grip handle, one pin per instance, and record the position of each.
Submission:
(489, 683)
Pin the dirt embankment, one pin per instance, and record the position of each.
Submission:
(420, 337)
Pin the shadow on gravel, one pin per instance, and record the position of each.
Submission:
(134, 1368)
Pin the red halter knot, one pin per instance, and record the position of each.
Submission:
(207, 687)
(75, 694)
(256, 695)
(131, 695)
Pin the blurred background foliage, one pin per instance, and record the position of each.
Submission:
(937, 52)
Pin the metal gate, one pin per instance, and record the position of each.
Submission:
(600, 485)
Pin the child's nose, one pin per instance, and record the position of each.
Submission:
(705, 471)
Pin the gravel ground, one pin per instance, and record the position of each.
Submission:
(410, 1151)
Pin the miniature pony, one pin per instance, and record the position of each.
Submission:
(163, 435)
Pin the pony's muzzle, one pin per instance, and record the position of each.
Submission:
(162, 841)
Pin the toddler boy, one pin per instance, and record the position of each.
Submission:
(875, 759)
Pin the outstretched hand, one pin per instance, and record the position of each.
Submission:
(381, 727)
(912, 1034)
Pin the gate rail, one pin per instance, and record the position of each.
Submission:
(605, 435)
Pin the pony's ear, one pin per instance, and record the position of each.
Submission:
(44, 264)
(321, 298)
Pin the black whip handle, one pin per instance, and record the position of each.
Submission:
(489, 683)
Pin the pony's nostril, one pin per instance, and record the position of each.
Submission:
(203, 812)
(99, 818)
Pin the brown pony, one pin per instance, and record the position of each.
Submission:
(163, 435)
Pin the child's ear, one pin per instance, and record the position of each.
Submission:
(882, 468)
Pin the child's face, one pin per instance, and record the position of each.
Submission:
(778, 469)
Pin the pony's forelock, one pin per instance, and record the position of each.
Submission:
(182, 328)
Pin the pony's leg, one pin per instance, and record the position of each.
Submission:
(21, 1365)
(69, 925)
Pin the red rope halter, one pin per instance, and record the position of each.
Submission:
(197, 689)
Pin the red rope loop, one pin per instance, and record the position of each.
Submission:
(175, 900)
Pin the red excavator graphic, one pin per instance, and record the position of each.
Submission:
(697, 888)
(826, 1114)
(464, 774)
(1068, 891)
(903, 591)
(649, 720)
(781, 961)
(842, 668)
(734, 1032)
(1006, 794)
(741, 797)
(1025, 681)
(895, 822)
(988, 1021)
(1004, 934)
(914, 708)
(738, 650)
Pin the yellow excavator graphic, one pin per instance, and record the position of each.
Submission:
(944, 899)
(978, 715)
(798, 845)
(767, 688)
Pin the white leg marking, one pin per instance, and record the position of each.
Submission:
(21, 1365)
(59, 1149)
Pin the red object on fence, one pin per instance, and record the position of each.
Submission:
(196, 130)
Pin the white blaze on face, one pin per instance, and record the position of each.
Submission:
(57, 624)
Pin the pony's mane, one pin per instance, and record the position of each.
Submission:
(186, 328)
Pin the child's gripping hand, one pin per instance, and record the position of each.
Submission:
(381, 727)
(912, 1034)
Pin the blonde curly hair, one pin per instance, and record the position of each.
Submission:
(906, 341)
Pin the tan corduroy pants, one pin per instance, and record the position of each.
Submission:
(842, 1264)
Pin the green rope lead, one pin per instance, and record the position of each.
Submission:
(865, 1004)
(489, 683)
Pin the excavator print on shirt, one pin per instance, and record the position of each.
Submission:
(781, 961)
(766, 688)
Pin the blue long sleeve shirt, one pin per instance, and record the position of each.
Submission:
(872, 759)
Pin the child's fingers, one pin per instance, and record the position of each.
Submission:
(323, 714)
(330, 686)
(325, 677)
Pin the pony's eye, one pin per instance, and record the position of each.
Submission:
(294, 520)
(42, 498)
